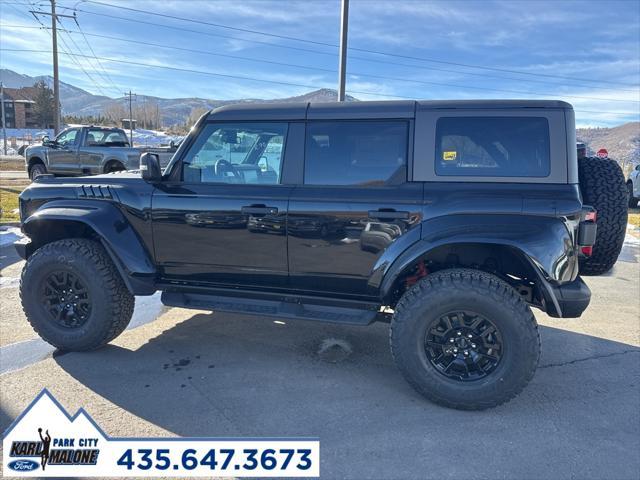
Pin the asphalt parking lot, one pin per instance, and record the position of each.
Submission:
(195, 373)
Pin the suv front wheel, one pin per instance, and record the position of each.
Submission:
(73, 295)
(465, 339)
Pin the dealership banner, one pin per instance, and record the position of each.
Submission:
(45, 441)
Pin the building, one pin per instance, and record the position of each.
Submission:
(19, 108)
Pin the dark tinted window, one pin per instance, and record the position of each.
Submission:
(236, 153)
(355, 153)
(493, 146)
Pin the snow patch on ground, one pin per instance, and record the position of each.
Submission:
(10, 235)
(153, 138)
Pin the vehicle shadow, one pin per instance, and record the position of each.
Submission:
(230, 375)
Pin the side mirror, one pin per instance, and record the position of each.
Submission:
(45, 139)
(150, 167)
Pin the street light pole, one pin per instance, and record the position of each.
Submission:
(56, 79)
(4, 120)
(342, 71)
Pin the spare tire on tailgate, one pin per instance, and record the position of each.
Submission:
(603, 187)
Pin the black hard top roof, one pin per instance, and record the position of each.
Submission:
(362, 110)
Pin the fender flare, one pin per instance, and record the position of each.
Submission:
(116, 234)
(545, 243)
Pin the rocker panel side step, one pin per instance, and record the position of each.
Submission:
(272, 308)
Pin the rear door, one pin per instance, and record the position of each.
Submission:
(222, 221)
(355, 203)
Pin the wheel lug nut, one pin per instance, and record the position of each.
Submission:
(466, 352)
(459, 333)
(469, 336)
(451, 340)
(473, 345)
(455, 350)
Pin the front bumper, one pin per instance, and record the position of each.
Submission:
(573, 298)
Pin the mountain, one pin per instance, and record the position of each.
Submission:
(79, 102)
(622, 142)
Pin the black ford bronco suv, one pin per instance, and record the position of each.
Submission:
(450, 220)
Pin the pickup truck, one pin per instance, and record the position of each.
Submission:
(450, 220)
(87, 151)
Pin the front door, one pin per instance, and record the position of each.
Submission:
(63, 156)
(354, 205)
(224, 221)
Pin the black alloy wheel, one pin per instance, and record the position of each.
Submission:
(66, 299)
(463, 346)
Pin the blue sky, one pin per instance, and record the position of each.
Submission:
(436, 47)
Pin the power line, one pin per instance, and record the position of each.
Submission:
(374, 52)
(88, 57)
(381, 77)
(106, 74)
(69, 53)
(238, 77)
(353, 57)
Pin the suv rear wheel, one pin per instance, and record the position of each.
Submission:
(73, 296)
(465, 339)
(603, 187)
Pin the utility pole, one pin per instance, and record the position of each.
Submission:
(130, 95)
(342, 71)
(4, 124)
(56, 78)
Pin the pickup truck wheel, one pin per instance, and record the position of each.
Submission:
(603, 187)
(465, 339)
(73, 296)
(633, 201)
(114, 167)
(37, 170)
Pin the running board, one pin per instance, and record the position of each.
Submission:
(290, 308)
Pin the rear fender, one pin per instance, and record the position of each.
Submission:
(109, 225)
(545, 243)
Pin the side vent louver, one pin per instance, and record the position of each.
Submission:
(95, 191)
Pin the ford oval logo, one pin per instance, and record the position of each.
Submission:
(23, 465)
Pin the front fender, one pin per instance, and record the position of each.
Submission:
(112, 228)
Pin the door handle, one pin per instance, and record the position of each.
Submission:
(259, 210)
(388, 214)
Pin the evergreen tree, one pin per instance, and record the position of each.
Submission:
(44, 107)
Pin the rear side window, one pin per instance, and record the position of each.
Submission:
(356, 153)
(493, 146)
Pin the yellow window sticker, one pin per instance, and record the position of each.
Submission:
(449, 156)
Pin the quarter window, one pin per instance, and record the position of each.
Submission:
(244, 153)
(492, 146)
(356, 153)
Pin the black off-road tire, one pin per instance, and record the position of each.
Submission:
(603, 187)
(484, 294)
(113, 167)
(633, 201)
(36, 170)
(111, 303)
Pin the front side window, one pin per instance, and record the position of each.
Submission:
(101, 137)
(492, 146)
(68, 137)
(244, 153)
(356, 153)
